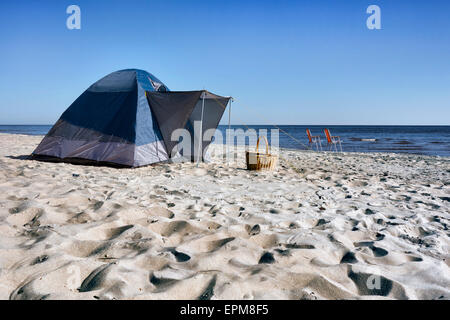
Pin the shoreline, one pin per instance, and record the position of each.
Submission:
(294, 150)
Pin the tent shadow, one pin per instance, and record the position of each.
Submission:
(21, 157)
(84, 162)
(74, 161)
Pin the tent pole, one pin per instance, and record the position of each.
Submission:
(229, 129)
(229, 116)
(200, 143)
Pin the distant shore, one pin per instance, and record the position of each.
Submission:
(322, 226)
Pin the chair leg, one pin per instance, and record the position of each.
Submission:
(340, 145)
(320, 145)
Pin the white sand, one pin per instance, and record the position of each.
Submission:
(323, 231)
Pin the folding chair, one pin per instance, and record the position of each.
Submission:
(314, 139)
(332, 140)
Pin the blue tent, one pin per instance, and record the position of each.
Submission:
(127, 118)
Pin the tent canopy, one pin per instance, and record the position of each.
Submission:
(127, 118)
(181, 109)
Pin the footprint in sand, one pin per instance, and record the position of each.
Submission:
(209, 290)
(95, 279)
(376, 285)
(210, 225)
(349, 257)
(252, 231)
(26, 291)
(25, 217)
(161, 283)
(179, 256)
(167, 277)
(267, 258)
(116, 232)
(206, 244)
(377, 251)
(80, 218)
(180, 227)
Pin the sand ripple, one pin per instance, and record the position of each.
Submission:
(323, 226)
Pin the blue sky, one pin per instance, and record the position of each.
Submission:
(285, 62)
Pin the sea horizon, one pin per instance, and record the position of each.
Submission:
(286, 125)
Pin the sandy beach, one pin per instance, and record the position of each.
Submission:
(322, 226)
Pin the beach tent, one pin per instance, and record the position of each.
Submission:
(127, 118)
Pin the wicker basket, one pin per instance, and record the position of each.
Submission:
(260, 161)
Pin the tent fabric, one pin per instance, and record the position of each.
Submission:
(127, 119)
(183, 109)
(172, 110)
(213, 109)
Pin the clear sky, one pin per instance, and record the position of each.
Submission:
(285, 62)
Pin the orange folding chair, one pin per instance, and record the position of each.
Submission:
(332, 140)
(314, 140)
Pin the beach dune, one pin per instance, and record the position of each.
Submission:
(322, 226)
